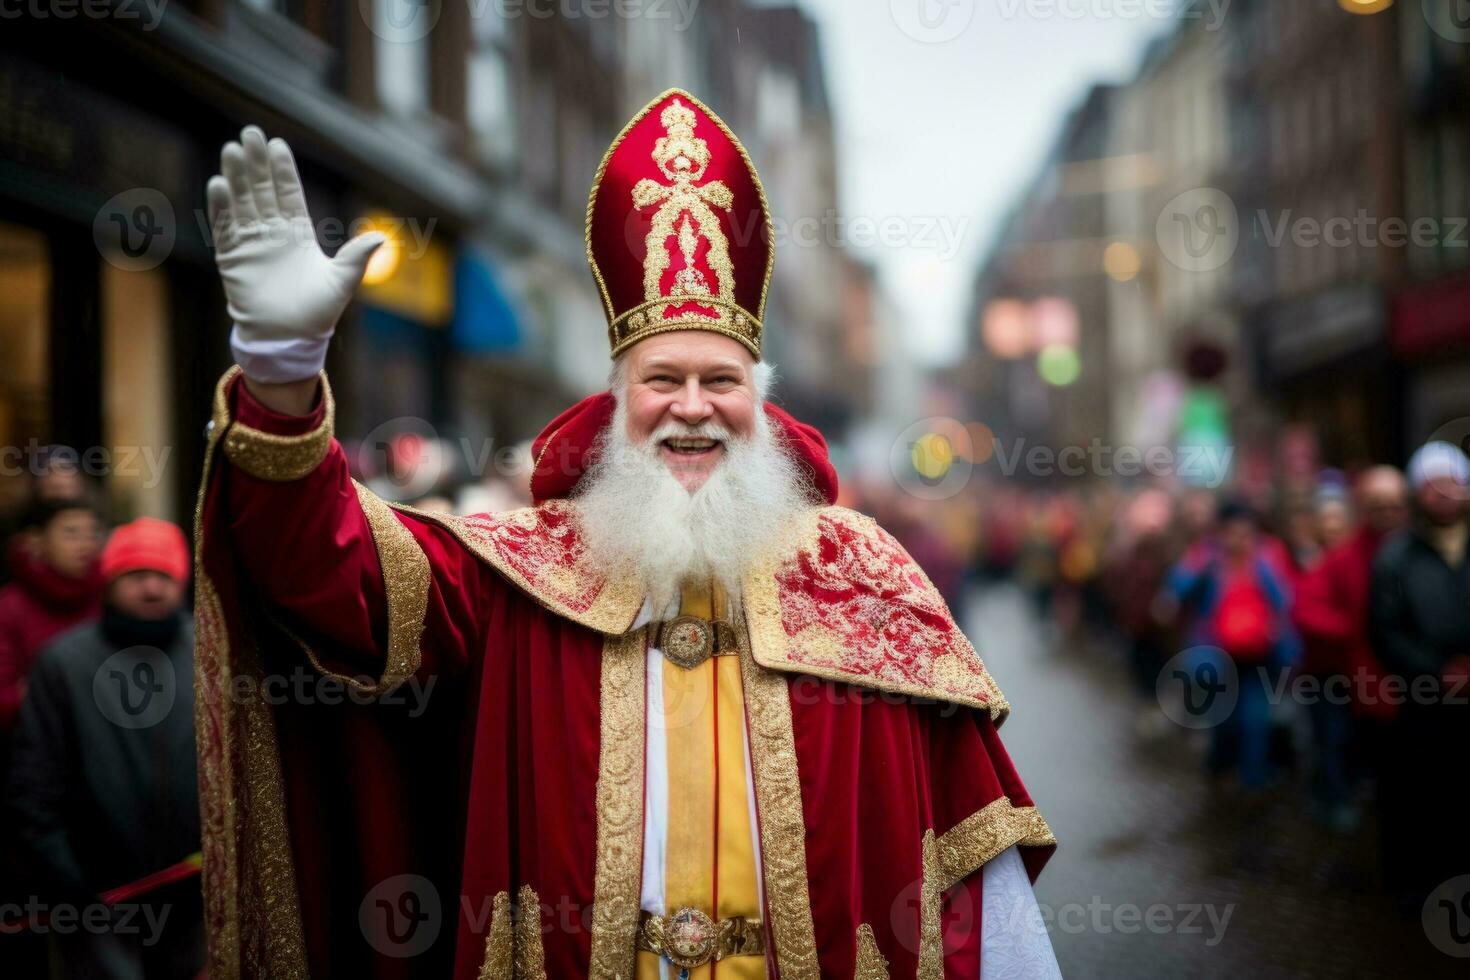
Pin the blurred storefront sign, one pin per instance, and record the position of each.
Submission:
(485, 321)
(1431, 330)
(1431, 318)
(1311, 333)
(1326, 358)
(413, 279)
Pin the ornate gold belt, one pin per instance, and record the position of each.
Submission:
(689, 938)
(690, 640)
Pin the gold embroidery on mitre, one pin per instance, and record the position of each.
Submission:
(628, 326)
(684, 206)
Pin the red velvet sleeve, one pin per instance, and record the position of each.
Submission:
(308, 550)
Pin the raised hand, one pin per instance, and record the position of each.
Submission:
(285, 295)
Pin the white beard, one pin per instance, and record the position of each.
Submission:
(639, 520)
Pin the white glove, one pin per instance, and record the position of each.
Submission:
(284, 294)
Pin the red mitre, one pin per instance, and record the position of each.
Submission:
(568, 446)
(678, 230)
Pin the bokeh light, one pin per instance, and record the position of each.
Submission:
(932, 455)
(1059, 365)
(1006, 328)
(1121, 262)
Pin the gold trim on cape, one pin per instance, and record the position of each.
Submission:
(559, 575)
(779, 813)
(813, 641)
(499, 962)
(406, 575)
(870, 964)
(619, 874)
(984, 834)
(266, 455)
(252, 920)
(530, 956)
(959, 852)
(931, 918)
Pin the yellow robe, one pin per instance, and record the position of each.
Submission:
(710, 857)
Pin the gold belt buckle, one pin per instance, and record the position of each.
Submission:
(689, 937)
(687, 641)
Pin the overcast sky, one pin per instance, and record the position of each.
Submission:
(944, 109)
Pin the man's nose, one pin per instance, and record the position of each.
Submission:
(691, 406)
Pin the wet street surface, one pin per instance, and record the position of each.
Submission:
(1158, 874)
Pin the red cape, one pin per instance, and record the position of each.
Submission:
(389, 838)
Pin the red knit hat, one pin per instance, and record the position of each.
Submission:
(150, 544)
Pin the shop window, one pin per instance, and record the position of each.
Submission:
(137, 420)
(25, 317)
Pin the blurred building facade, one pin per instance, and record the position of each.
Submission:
(469, 132)
(1036, 364)
(1330, 137)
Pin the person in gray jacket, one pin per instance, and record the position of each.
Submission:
(1420, 603)
(103, 788)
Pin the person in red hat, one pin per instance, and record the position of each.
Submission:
(102, 789)
(681, 713)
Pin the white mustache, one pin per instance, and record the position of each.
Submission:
(682, 430)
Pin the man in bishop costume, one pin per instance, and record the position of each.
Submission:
(682, 718)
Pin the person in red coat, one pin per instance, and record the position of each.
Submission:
(55, 584)
(1332, 614)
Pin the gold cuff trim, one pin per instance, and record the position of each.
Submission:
(870, 962)
(984, 834)
(266, 455)
(619, 873)
(957, 853)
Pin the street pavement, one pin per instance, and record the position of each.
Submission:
(1158, 874)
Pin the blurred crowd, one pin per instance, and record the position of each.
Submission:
(99, 831)
(1316, 631)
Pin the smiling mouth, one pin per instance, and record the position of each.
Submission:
(689, 447)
